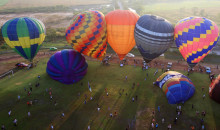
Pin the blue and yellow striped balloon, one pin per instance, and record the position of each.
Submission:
(24, 35)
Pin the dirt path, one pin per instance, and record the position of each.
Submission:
(8, 62)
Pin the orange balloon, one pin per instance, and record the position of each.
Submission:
(120, 31)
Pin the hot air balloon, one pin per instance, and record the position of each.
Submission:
(25, 35)
(214, 89)
(195, 37)
(120, 31)
(153, 36)
(67, 66)
(177, 87)
(87, 34)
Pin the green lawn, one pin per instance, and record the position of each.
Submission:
(3, 2)
(79, 115)
(181, 4)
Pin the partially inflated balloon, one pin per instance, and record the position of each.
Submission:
(214, 90)
(87, 34)
(120, 31)
(67, 66)
(177, 87)
(24, 35)
(195, 37)
(153, 36)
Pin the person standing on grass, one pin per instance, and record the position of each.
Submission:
(19, 97)
(203, 96)
(192, 127)
(203, 89)
(51, 126)
(29, 114)
(163, 120)
(62, 115)
(88, 127)
(158, 108)
(3, 127)
(126, 77)
(156, 125)
(15, 122)
(9, 113)
(169, 127)
(152, 125)
(132, 99)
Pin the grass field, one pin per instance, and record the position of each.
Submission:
(79, 115)
(43, 3)
(3, 2)
(182, 4)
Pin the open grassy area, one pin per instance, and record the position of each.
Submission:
(182, 4)
(47, 3)
(79, 115)
(3, 2)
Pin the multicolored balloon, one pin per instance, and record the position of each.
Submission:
(120, 31)
(67, 66)
(153, 36)
(177, 87)
(195, 37)
(87, 34)
(24, 35)
(214, 89)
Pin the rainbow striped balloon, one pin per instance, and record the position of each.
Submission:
(195, 37)
(24, 35)
(87, 34)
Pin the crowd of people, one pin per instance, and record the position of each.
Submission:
(114, 113)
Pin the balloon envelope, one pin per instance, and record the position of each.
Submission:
(67, 66)
(195, 37)
(214, 90)
(120, 31)
(24, 35)
(177, 87)
(87, 34)
(153, 36)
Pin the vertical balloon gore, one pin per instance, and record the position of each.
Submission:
(120, 31)
(24, 35)
(87, 34)
(195, 37)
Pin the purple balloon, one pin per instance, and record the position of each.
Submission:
(67, 66)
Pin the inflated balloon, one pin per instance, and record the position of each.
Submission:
(120, 31)
(177, 87)
(24, 35)
(87, 34)
(153, 36)
(195, 37)
(214, 90)
(67, 66)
